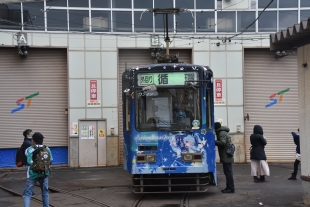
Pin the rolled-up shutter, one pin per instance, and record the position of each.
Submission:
(134, 58)
(265, 76)
(43, 74)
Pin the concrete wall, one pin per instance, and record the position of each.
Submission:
(95, 57)
(303, 55)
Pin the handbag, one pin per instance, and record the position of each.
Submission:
(230, 149)
(298, 157)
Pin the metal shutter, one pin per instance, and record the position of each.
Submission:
(44, 71)
(134, 58)
(265, 75)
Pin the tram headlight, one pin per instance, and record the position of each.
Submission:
(187, 157)
(192, 157)
(146, 158)
(150, 158)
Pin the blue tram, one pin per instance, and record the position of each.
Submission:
(168, 116)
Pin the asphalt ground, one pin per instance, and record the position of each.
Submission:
(111, 185)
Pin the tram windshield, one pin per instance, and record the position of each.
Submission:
(167, 109)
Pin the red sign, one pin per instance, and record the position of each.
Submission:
(93, 90)
(218, 90)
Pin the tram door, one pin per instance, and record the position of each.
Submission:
(92, 143)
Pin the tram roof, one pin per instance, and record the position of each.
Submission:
(176, 66)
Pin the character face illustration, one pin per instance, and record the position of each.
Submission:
(189, 141)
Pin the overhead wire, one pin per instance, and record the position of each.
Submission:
(111, 20)
(223, 9)
(128, 35)
(76, 15)
(250, 24)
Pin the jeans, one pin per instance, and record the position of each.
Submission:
(296, 163)
(30, 183)
(229, 176)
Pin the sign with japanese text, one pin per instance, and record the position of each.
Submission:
(93, 90)
(166, 79)
(218, 90)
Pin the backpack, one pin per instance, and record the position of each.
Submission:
(230, 149)
(20, 157)
(41, 158)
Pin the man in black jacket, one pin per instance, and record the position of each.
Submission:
(27, 143)
(297, 160)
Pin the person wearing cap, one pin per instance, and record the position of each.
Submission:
(33, 177)
(222, 142)
(298, 157)
(27, 142)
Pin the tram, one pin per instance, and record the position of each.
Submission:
(168, 127)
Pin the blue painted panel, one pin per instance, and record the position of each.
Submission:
(170, 147)
(60, 156)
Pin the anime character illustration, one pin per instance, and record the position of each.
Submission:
(174, 145)
(187, 143)
(196, 124)
(194, 143)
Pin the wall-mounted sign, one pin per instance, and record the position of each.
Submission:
(101, 133)
(74, 128)
(218, 90)
(274, 99)
(22, 38)
(21, 105)
(93, 91)
(166, 79)
(84, 132)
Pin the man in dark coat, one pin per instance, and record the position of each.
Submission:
(27, 143)
(297, 161)
(223, 139)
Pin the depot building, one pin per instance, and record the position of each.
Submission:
(61, 64)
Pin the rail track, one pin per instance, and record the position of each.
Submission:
(54, 190)
(184, 201)
(99, 203)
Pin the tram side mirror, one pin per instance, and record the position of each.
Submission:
(149, 88)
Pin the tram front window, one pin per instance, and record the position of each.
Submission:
(167, 109)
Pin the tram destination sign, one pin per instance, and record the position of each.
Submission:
(166, 79)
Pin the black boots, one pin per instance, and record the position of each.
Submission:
(261, 179)
(256, 179)
(228, 190)
(293, 177)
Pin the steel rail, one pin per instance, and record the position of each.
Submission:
(18, 194)
(5, 174)
(184, 200)
(99, 203)
(139, 200)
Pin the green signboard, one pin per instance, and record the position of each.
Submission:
(166, 79)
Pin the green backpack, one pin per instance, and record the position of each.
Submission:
(41, 158)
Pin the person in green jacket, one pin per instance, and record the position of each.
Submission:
(32, 175)
(223, 139)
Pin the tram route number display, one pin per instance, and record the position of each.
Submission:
(166, 79)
